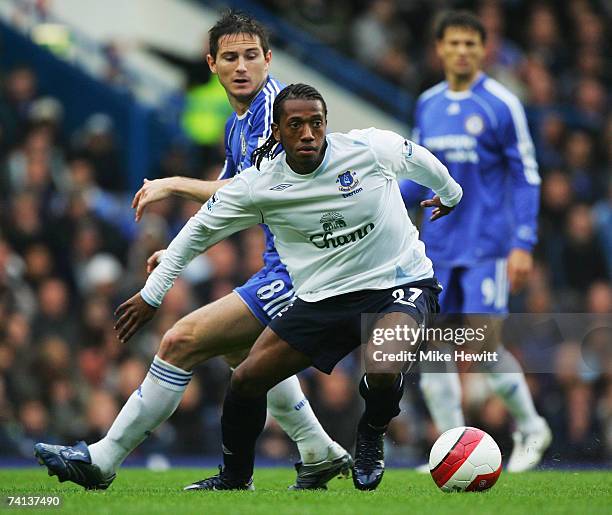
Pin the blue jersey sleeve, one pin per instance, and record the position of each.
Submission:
(520, 159)
(412, 193)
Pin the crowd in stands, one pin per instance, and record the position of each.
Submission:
(70, 251)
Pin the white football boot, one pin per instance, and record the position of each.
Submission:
(529, 448)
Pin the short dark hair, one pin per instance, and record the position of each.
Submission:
(291, 92)
(236, 22)
(463, 19)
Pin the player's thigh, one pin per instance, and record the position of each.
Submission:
(222, 327)
(451, 296)
(402, 314)
(485, 287)
(267, 293)
(486, 290)
(270, 361)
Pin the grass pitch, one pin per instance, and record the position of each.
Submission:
(139, 491)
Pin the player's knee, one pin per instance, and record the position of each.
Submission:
(440, 384)
(245, 384)
(178, 348)
(376, 381)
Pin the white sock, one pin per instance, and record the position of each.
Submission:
(152, 403)
(507, 380)
(442, 393)
(287, 404)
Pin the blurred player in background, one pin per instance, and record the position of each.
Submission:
(478, 129)
(240, 55)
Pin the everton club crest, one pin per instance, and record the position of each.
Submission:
(347, 183)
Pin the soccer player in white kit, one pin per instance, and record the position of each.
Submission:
(334, 207)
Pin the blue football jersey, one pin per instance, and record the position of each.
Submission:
(481, 136)
(245, 133)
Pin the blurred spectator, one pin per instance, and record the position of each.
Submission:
(97, 142)
(583, 259)
(602, 213)
(503, 57)
(380, 40)
(39, 264)
(549, 138)
(34, 426)
(544, 37)
(101, 411)
(55, 316)
(101, 276)
(20, 91)
(591, 102)
(579, 160)
(324, 19)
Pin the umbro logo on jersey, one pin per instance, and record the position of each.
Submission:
(281, 187)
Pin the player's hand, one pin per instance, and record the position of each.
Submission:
(440, 209)
(154, 260)
(133, 314)
(151, 191)
(520, 263)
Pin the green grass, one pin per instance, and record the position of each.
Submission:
(138, 491)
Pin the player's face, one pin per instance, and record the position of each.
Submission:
(461, 51)
(241, 64)
(302, 133)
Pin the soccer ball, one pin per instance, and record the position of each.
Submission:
(465, 459)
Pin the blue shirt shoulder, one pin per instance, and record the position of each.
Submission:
(244, 133)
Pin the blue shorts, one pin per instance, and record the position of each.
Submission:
(482, 288)
(267, 292)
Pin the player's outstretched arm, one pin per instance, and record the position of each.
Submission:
(421, 166)
(227, 212)
(402, 159)
(159, 189)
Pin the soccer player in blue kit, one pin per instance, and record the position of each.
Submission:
(478, 129)
(240, 55)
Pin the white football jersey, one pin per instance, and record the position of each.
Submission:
(341, 228)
